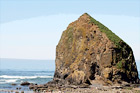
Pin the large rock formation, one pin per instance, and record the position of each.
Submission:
(88, 51)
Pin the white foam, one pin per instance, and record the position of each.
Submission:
(25, 77)
(11, 81)
(8, 81)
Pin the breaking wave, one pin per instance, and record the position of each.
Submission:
(24, 77)
(2, 81)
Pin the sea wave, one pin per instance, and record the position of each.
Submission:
(24, 77)
(8, 81)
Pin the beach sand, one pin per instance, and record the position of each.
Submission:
(14, 91)
(78, 90)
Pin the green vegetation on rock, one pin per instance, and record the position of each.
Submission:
(114, 38)
(119, 65)
(70, 34)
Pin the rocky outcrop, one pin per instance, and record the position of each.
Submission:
(27, 84)
(88, 51)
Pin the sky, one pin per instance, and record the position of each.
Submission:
(31, 29)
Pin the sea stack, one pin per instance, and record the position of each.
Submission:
(89, 52)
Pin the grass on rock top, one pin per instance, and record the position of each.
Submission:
(114, 38)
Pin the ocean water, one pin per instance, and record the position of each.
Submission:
(8, 77)
(16, 71)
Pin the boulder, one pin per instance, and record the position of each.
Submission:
(25, 83)
(88, 50)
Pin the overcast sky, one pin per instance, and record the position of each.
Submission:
(31, 29)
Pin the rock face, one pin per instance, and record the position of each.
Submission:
(88, 51)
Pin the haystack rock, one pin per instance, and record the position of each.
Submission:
(88, 52)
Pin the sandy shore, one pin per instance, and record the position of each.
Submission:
(90, 90)
(14, 91)
(93, 89)
(77, 91)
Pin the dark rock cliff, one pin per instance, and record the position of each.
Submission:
(88, 51)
